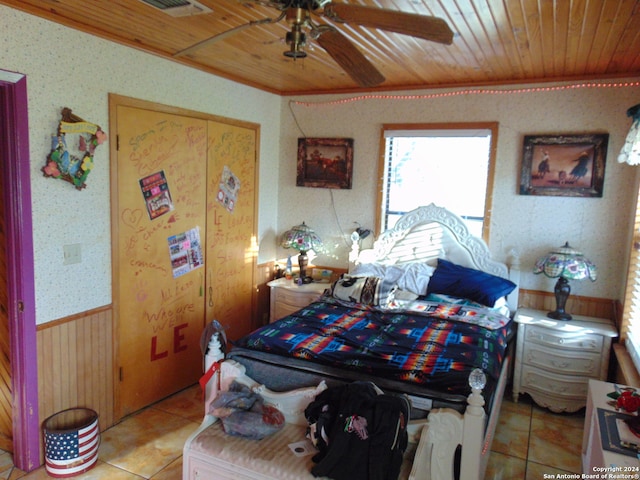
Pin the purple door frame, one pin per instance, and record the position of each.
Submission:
(16, 186)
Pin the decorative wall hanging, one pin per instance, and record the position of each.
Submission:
(564, 165)
(72, 149)
(325, 162)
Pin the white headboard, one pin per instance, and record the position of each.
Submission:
(431, 232)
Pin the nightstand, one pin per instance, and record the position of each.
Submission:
(555, 359)
(288, 297)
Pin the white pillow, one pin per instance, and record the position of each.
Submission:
(411, 277)
(416, 277)
(368, 270)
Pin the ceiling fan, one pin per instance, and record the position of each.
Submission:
(297, 13)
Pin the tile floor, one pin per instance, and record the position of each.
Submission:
(529, 443)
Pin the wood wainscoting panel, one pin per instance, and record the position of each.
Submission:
(589, 306)
(75, 365)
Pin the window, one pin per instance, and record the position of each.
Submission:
(449, 165)
(630, 328)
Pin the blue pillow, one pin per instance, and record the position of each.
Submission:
(459, 281)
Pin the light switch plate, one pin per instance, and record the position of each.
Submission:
(72, 254)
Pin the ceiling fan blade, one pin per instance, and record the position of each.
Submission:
(225, 34)
(348, 57)
(422, 26)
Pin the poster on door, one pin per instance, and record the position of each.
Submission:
(157, 197)
(185, 252)
(228, 189)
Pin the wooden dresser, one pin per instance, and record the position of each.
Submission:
(288, 297)
(555, 359)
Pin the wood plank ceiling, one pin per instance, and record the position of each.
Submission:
(495, 41)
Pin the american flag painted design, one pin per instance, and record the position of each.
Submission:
(71, 452)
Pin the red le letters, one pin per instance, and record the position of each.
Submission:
(178, 345)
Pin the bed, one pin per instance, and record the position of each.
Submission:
(427, 280)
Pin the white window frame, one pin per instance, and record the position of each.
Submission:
(630, 328)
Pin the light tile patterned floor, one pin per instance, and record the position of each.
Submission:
(529, 443)
(146, 445)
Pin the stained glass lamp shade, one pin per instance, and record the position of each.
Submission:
(303, 239)
(564, 263)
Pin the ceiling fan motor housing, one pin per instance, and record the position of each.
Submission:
(296, 38)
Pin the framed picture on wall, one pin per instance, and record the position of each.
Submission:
(325, 162)
(564, 165)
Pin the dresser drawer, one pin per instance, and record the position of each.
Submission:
(566, 340)
(282, 310)
(535, 379)
(561, 361)
(295, 298)
(287, 297)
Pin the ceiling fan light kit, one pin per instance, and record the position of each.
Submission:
(339, 47)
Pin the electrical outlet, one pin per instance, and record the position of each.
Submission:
(72, 254)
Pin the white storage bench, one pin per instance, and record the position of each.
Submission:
(215, 455)
(210, 454)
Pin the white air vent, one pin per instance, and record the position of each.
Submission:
(179, 8)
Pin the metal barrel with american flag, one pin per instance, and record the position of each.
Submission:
(71, 441)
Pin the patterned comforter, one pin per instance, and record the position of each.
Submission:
(424, 343)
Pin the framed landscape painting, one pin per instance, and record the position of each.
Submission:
(325, 162)
(564, 165)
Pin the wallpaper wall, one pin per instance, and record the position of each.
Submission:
(65, 68)
(530, 225)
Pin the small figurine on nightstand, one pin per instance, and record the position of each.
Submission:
(288, 273)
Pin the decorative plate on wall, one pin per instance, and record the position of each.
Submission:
(72, 149)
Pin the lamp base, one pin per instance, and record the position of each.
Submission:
(562, 291)
(303, 261)
(559, 315)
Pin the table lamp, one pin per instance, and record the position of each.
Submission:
(564, 263)
(303, 239)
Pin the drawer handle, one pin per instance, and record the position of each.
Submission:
(561, 341)
(557, 389)
(560, 364)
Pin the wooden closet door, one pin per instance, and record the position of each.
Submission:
(231, 234)
(159, 300)
(6, 395)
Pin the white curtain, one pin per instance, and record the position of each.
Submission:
(630, 152)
